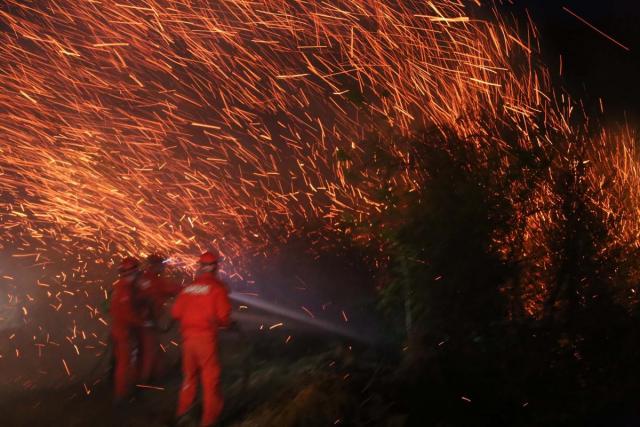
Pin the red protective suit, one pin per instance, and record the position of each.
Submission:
(201, 308)
(157, 290)
(152, 291)
(124, 320)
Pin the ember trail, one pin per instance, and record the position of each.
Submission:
(416, 223)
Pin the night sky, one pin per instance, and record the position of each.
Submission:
(592, 65)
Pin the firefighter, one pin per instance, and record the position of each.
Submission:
(124, 321)
(201, 308)
(152, 291)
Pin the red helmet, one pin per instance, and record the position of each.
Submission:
(155, 259)
(209, 258)
(128, 264)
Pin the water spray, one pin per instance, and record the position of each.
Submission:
(299, 317)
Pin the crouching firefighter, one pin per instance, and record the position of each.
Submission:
(201, 308)
(124, 321)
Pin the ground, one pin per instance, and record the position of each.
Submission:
(310, 380)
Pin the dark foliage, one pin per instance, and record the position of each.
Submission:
(455, 271)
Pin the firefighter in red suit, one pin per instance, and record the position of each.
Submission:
(124, 321)
(152, 291)
(201, 308)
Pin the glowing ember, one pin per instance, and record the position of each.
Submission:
(171, 126)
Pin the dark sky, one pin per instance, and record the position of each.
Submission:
(593, 66)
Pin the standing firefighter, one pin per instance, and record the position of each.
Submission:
(124, 321)
(201, 308)
(152, 291)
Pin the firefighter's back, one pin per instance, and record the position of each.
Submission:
(202, 307)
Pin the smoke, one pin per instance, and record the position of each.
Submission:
(9, 314)
(9, 309)
(332, 292)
